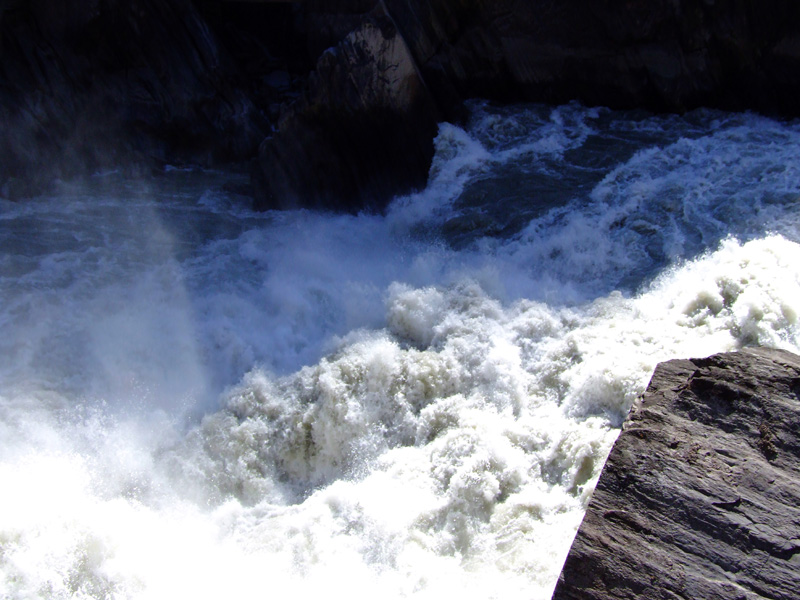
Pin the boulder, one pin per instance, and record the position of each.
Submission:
(700, 497)
(362, 131)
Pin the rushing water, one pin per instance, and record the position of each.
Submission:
(198, 401)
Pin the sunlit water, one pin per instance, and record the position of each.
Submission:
(198, 401)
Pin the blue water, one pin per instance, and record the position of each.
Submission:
(197, 400)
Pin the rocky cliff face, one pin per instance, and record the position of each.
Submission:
(91, 83)
(661, 54)
(700, 497)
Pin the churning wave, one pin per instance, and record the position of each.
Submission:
(199, 401)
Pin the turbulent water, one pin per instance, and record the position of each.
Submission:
(198, 401)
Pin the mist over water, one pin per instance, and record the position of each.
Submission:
(201, 401)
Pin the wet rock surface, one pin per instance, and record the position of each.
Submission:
(700, 497)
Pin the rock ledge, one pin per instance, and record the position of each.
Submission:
(700, 497)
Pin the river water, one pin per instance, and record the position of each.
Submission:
(200, 401)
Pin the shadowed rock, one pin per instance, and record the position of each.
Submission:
(93, 84)
(362, 132)
(700, 497)
(660, 54)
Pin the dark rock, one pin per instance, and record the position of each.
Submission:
(362, 132)
(661, 54)
(89, 84)
(269, 42)
(700, 497)
(328, 23)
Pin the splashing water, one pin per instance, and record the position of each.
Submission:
(200, 401)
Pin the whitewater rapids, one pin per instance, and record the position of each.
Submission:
(197, 401)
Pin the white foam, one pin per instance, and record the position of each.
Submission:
(472, 454)
(401, 418)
